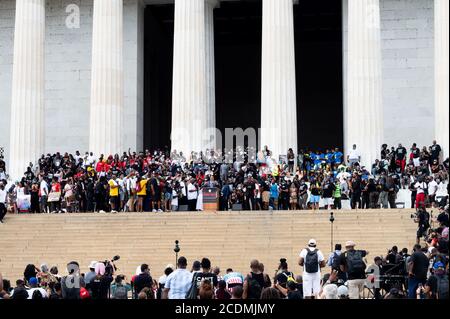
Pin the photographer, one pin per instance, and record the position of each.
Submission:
(102, 281)
(422, 218)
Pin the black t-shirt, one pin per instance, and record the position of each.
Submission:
(443, 219)
(420, 266)
(142, 281)
(435, 150)
(282, 278)
(200, 276)
(302, 188)
(328, 190)
(315, 188)
(262, 283)
(416, 153)
(400, 153)
(432, 282)
(295, 295)
(100, 287)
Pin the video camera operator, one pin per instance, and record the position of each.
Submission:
(422, 218)
(100, 285)
(443, 217)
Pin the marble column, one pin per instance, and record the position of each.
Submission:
(193, 96)
(278, 86)
(106, 124)
(441, 58)
(363, 120)
(27, 137)
(210, 73)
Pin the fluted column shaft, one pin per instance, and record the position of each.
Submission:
(441, 18)
(363, 121)
(106, 127)
(27, 139)
(193, 96)
(210, 71)
(278, 86)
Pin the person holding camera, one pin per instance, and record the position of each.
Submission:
(422, 218)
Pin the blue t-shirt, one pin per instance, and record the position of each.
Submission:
(338, 157)
(329, 157)
(274, 191)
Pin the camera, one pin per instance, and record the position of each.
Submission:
(109, 265)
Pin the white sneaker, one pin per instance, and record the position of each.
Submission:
(154, 211)
(102, 211)
(160, 211)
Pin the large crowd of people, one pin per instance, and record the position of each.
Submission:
(162, 181)
(159, 181)
(423, 274)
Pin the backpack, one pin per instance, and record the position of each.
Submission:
(312, 261)
(254, 288)
(335, 264)
(289, 277)
(193, 291)
(442, 287)
(355, 263)
(121, 292)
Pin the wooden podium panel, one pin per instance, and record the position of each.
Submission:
(210, 199)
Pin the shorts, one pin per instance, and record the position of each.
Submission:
(311, 284)
(328, 201)
(167, 196)
(314, 199)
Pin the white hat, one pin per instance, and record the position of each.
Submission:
(331, 291)
(92, 264)
(312, 242)
(350, 244)
(342, 291)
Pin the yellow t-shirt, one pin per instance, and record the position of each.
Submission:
(143, 191)
(113, 191)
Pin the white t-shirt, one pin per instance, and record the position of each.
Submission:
(190, 194)
(420, 187)
(43, 188)
(432, 187)
(3, 196)
(131, 184)
(354, 154)
(174, 198)
(304, 252)
(31, 291)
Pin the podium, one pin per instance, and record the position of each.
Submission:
(210, 199)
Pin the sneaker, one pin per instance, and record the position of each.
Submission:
(160, 211)
(114, 211)
(154, 211)
(102, 211)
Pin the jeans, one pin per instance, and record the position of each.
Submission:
(383, 200)
(273, 202)
(413, 283)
